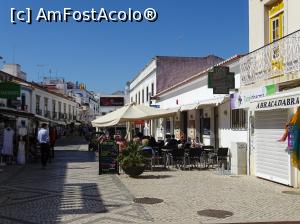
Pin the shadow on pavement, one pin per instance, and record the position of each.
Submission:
(153, 176)
(63, 192)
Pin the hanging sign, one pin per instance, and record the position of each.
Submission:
(221, 80)
(244, 96)
(10, 90)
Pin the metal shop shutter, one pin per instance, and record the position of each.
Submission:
(272, 162)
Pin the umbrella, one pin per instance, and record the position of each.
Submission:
(129, 113)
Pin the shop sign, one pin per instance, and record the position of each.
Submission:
(155, 105)
(139, 122)
(221, 80)
(112, 101)
(9, 90)
(244, 96)
(282, 102)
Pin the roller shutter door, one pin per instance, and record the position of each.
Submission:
(272, 162)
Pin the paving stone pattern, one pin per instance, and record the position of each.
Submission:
(204, 196)
(68, 191)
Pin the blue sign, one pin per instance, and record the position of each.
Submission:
(155, 105)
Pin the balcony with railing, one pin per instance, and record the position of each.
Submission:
(54, 115)
(24, 107)
(39, 112)
(278, 59)
(61, 116)
(47, 114)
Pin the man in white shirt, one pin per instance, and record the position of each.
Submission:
(43, 139)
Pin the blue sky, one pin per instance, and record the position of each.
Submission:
(106, 55)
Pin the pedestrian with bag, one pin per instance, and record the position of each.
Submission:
(43, 139)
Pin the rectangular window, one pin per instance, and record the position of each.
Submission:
(143, 96)
(69, 111)
(136, 97)
(46, 103)
(238, 119)
(37, 105)
(59, 107)
(206, 126)
(53, 106)
(152, 89)
(139, 100)
(23, 102)
(131, 100)
(37, 101)
(276, 20)
(275, 29)
(147, 94)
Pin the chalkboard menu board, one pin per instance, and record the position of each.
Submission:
(108, 154)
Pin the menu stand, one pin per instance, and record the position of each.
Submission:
(108, 154)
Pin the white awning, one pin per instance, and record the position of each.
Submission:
(214, 101)
(47, 120)
(60, 122)
(188, 107)
(279, 100)
(131, 113)
(43, 118)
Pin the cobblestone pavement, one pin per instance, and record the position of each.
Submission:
(68, 191)
(185, 193)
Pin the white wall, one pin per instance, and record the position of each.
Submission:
(50, 97)
(257, 24)
(293, 16)
(143, 86)
(226, 134)
(193, 93)
(258, 21)
(142, 75)
(143, 80)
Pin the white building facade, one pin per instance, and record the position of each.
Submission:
(270, 81)
(141, 89)
(201, 113)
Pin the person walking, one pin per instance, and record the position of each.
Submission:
(43, 139)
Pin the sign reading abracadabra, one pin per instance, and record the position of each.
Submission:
(277, 103)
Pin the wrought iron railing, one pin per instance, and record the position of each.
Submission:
(282, 57)
(61, 116)
(47, 114)
(39, 112)
(24, 107)
(54, 115)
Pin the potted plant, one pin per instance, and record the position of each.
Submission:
(131, 160)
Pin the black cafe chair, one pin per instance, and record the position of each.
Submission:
(222, 155)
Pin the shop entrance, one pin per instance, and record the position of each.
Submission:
(216, 126)
(272, 161)
(184, 120)
(201, 132)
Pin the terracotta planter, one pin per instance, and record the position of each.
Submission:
(134, 171)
